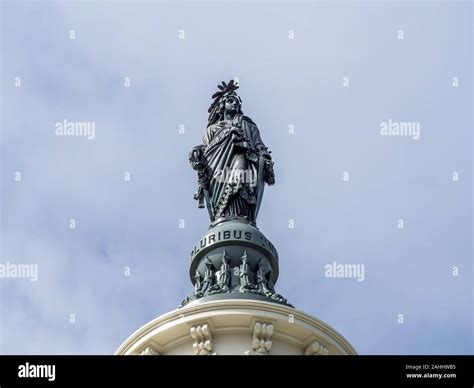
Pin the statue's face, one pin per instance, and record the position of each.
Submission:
(232, 105)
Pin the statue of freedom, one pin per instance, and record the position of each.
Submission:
(233, 163)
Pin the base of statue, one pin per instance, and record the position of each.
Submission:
(234, 260)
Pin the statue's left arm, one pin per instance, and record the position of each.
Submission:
(262, 151)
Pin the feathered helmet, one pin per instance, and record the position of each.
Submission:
(216, 110)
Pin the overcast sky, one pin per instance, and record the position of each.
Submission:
(401, 62)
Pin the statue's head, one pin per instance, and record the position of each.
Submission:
(226, 100)
(231, 104)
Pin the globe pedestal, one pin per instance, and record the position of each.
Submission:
(234, 260)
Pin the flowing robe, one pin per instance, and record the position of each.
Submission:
(231, 157)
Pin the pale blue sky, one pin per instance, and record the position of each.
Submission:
(283, 82)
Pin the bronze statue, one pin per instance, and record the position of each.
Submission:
(234, 258)
(233, 163)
